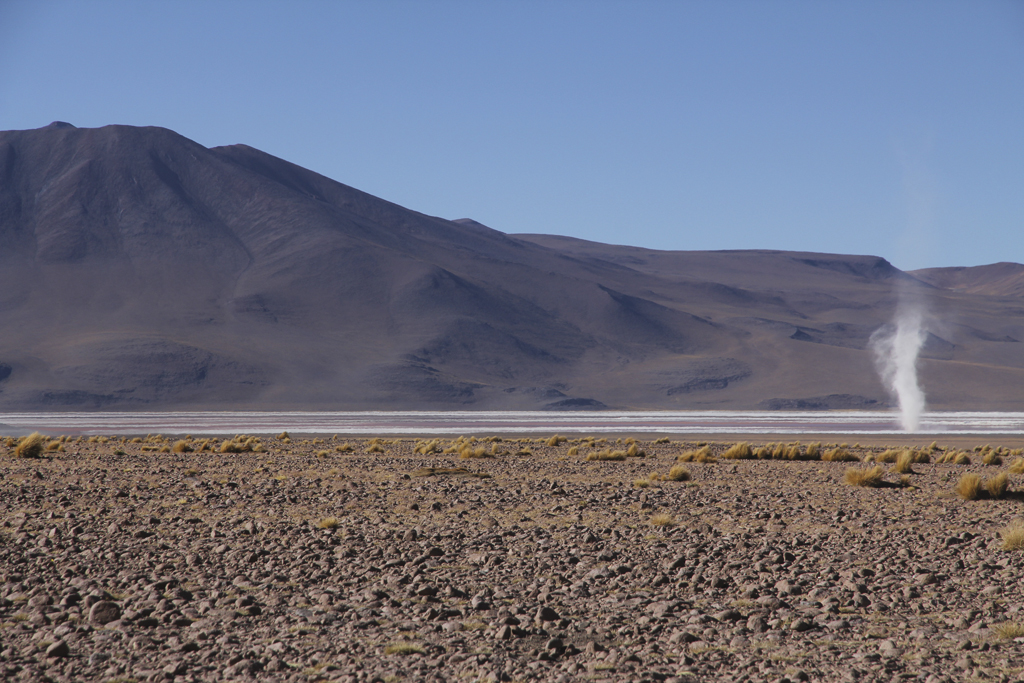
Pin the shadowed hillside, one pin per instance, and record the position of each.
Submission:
(141, 270)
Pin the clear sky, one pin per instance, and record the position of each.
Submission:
(893, 128)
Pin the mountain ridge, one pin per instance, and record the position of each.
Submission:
(140, 269)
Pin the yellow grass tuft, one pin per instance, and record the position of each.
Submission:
(427, 447)
(923, 457)
(1013, 535)
(903, 463)
(470, 452)
(182, 447)
(404, 649)
(839, 455)
(1009, 630)
(375, 448)
(991, 458)
(328, 523)
(557, 440)
(866, 476)
(448, 471)
(997, 485)
(969, 487)
(663, 519)
(641, 483)
(954, 457)
(700, 455)
(634, 452)
(679, 473)
(1017, 466)
(606, 455)
(30, 446)
(575, 450)
(739, 451)
(888, 457)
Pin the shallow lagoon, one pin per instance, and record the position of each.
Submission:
(507, 422)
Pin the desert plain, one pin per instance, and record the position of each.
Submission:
(290, 558)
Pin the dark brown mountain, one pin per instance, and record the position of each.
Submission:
(139, 269)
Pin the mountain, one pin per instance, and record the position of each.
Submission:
(997, 279)
(139, 269)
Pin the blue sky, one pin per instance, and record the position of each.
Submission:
(888, 128)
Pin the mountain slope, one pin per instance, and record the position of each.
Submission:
(139, 269)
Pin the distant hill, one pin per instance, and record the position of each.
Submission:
(997, 279)
(139, 269)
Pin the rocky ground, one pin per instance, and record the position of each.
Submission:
(300, 562)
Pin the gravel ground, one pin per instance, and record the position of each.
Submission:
(119, 562)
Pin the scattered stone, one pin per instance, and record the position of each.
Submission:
(58, 649)
(104, 612)
(548, 570)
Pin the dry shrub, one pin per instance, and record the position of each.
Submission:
(663, 519)
(888, 456)
(375, 448)
(700, 455)
(575, 450)
(1013, 535)
(230, 446)
(344, 448)
(479, 452)
(662, 440)
(1009, 630)
(839, 455)
(641, 483)
(634, 452)
(55, 445)
(182, 447)
(866, 476)
(997, 485)
(679, 473)
(763, 453)
(903, 463)
(427, 447)
(969, 487)
(606, 455)
(404, 649)
(739, 451)
(448, 471)
(954, 457)
(921, 457)
(283, 435)
(991, 458)
(30, 446)
(814, 451)
(793, 453)
(328, 523)
(557, 440)
(1017, 466)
